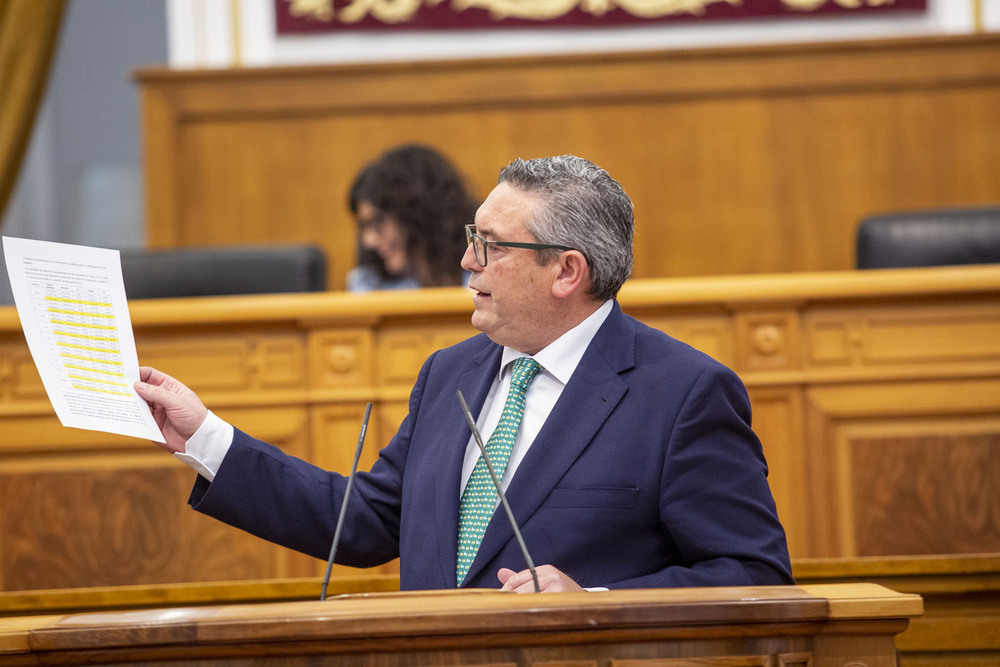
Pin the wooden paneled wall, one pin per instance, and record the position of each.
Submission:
(739, 160)
(876, 395)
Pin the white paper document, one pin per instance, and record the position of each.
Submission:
(74, 313)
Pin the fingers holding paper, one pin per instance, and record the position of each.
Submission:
(177, 410)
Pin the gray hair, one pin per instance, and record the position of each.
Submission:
(584, 208)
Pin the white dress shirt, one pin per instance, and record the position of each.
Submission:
(559, 359)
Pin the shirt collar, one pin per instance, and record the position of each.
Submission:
(561, 357)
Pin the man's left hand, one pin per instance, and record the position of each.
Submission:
(550, 580)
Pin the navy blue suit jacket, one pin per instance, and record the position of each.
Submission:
(646, 474)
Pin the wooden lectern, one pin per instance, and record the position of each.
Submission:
(781, 626)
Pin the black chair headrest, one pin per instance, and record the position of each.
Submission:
(929, 238)
(183, 272)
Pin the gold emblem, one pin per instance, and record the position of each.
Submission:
(320, 10)
(811, 5)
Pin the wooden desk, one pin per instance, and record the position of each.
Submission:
(874, 393)
(821, 626)
(961, 621)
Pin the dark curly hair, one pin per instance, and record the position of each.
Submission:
(429, 199)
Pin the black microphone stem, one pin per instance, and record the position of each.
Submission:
(496, 482)
(343, 505)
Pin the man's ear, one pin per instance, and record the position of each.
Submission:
(573, 274)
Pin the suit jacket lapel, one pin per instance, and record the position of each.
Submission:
(593, 392)
(474, 385)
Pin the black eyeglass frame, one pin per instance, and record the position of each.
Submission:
(471, 236)
(373, 223)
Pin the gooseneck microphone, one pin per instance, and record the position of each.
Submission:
(343, 505)
(496, 482)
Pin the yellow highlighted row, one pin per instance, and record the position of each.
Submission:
(113, 350)
(76, 335)
(94, 370)
(62, 299)
(106, 327)
(110, 362)
(80, 313)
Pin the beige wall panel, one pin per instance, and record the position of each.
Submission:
(768, 340)
(335, 434)
(30, 427)
(402, 352)
(943, 336)
(953, 334)
(228, 362)
(390, 416)
(341, 358)
(712, 334)
(777, 420)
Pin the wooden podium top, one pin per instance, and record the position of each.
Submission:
(485, 627)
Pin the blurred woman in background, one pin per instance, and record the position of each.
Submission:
(411, 206)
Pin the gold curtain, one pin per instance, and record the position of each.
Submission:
(28, 33)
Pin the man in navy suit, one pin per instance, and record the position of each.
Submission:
(634, 464)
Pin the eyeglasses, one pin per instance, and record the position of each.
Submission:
(479, 245)
(374, 223)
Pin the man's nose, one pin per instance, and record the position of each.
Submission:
(469, 262)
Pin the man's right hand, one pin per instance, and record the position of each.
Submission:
(177, 410)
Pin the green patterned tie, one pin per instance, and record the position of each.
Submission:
(480, 496)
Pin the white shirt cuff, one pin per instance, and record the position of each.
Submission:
(205, 449)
